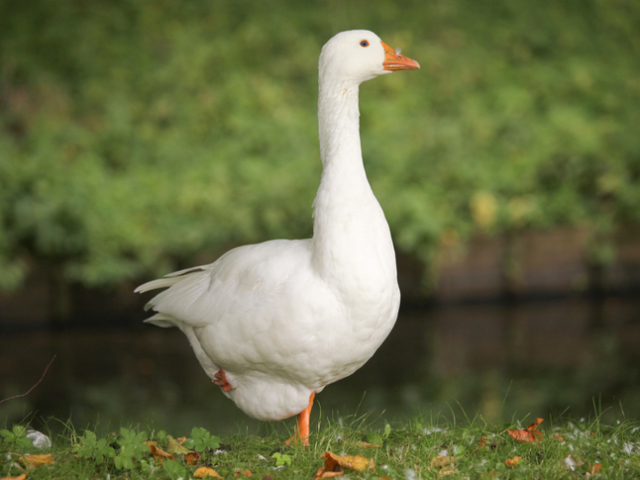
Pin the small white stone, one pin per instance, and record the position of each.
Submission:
(569, 462)
(39, 439)
(410, 474)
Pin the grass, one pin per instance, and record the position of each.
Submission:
(419, 449)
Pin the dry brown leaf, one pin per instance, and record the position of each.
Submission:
(445, 464)
(22, 476)
(367, 445)
(157, 452)
(558, 437)
(206, 472)
(483, 443)
(322, 473)
(446, 471)
(595, 468)
(442, 461)
(354, 462)
(246, 473)
(36, 460)
(192, 458)
(334, 465)
(529, 434)
(512, 462)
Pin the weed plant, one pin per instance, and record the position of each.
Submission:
(422, 448)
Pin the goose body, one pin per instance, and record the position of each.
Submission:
(275, 322)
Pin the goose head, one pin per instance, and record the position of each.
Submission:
(359, 55)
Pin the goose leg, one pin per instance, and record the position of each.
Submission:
(221, 381)
(302, 429)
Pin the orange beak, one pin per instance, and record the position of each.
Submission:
(394, 61)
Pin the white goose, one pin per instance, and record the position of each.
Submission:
(274, 323)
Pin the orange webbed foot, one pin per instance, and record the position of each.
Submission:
(221, 381)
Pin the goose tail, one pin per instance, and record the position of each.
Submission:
(168, 280)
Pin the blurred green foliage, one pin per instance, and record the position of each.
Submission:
(137, 135)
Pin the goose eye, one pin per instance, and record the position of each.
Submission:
(364, 43)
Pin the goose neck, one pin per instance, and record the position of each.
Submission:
(339, 123)
(344, 207)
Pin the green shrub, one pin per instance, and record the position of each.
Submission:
(138, 135)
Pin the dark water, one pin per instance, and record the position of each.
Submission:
(538, 359)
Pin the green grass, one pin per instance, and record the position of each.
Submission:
(475, 450)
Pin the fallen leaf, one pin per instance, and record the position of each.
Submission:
(175, 446)
(157, 452)
(442, 461)
(19, 477)
(367, 445)
(445, 464)
(353, 462)
(512, 462)
(595, 468)
(529, 434)
(36, 460)
(446, 471)
(246, 473)
(334, 465)
(323, 473)
(483, 443)
(206, 472)
(558, 437)
(192, 458)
